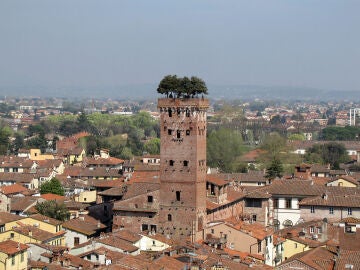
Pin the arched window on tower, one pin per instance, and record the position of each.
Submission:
(169, 217)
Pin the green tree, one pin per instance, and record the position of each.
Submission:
(297, 137)
(330, 153)
(83, 123)
(274, 170)
(53, 209)
(274, 144)
(171, 85)
(5, 133)
(53, 186)
(18, 143)
(153, 146)
(223, 147)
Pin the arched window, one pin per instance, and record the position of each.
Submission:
(276, 224)
(169, 217)
(288, 223)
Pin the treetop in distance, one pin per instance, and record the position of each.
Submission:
(185, 87)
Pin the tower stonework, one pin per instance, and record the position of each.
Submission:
(182, 210)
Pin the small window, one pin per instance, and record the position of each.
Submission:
(349, 211)
(169, 131)
(170, 112)
(212, 231)
(12, 235)
(171, 162)
(186, 163)
(187, 113)
(169, 217)
(150, 199)
(331, 210)
(295, 245)
(312, 209)
(288, 203)
(276, 203)
(144, 227)
(319, 230)
(188, 132)
(178, 134)
(76, 241)
(253, 218)
(178, 195)
(153, 242)
(312, 229)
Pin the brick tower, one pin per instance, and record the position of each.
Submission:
(182, 210)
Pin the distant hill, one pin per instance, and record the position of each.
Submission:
(148, 91)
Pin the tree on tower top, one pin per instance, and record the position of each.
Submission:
(185, 87)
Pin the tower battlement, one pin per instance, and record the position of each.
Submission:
(200, 103)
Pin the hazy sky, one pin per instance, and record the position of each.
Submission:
(82, 43)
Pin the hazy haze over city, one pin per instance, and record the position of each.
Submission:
(87, 46)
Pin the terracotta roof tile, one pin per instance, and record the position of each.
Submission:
(13, 189)
(145, 176)
(6, 217)
(85, 225)
(118, 243)
(52, 197)
(36, 233)
(11, 247)
(46, 219)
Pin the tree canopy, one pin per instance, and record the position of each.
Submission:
(184, 87)
(348, 133)
(223, 147)
(53, 186)
(53, 209)
(274, 170)
(329, 153)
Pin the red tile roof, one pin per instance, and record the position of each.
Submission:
(13, 189)
(11, 247)
(85, 224)
(52, 197)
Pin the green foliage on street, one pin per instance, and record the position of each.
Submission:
(53, 209)
(53, 186)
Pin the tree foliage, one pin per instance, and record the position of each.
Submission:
(53, 209)
(274, 170)
(329, 153)
(348, 133)
(185, 87)
(223, 147)
(153, 146)
(53, 186)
